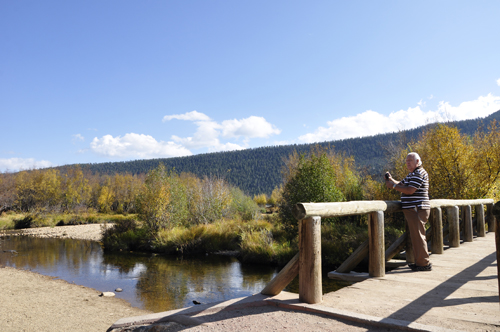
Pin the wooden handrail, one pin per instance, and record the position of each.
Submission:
(342, 209)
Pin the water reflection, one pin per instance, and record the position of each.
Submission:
(155, 283)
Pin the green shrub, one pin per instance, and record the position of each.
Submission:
(311, 179)
(243, 206)
(125, 234)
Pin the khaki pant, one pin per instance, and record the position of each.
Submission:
(416, 219)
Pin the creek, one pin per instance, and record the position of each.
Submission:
(151, 282)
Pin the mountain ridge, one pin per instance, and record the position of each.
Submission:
(258, 170)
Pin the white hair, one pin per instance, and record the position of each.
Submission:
(417, 157)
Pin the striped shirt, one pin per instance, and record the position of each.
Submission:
(418, 179)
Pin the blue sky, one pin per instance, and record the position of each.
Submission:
(98, 81)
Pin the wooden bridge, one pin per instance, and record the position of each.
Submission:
(462, 290)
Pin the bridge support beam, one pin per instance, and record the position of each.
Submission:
(437, 231)
(376, 244)
(468, 229)
(490, 218)
(310, 284)
(481, 231)
(495, 214)
(454, 226)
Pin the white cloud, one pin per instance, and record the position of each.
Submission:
(136, 146)
(371, 123)
(189, 116)
(254, 126)
(18, 164)
(208, 132)
(77, 138)
(498, 82)
(226, 147)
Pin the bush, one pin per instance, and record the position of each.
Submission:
(126, 234)
(243, 206)
(311, 179)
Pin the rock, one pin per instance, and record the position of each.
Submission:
(118, 290)
(107, 294)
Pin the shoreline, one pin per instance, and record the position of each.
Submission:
(90, 232)
(34, 302)
(30, 301)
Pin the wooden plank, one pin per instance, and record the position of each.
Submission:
(351, 276)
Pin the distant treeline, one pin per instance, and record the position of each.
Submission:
(258, 170)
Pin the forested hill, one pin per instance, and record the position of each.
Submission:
(258, 170)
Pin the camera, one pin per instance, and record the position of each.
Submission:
(387, 175)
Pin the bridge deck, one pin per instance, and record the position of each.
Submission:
(461, 292)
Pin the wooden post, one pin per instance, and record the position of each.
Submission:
(481, 232)
(282, 279)
(454, 227)
(376, 267)
(490, 218)
(468, 229)
(310, 287)
(437, 231)
(495, 213)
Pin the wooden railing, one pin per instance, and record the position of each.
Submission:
(307, 263)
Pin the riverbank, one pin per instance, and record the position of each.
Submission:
(33, 302)
(91, 232)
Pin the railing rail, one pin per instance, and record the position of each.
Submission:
(307, 263)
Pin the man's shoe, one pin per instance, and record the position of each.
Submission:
(428, 267)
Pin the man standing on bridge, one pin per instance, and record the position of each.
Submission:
(416, 207)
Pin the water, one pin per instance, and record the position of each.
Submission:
(150, 282)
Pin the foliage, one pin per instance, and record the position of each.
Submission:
(308, 179)
(154, 199)
(209, 200)
(37, 189)
(243, 206)
(202, 238)
(260, 200)
(125, 234)
(459, 166)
